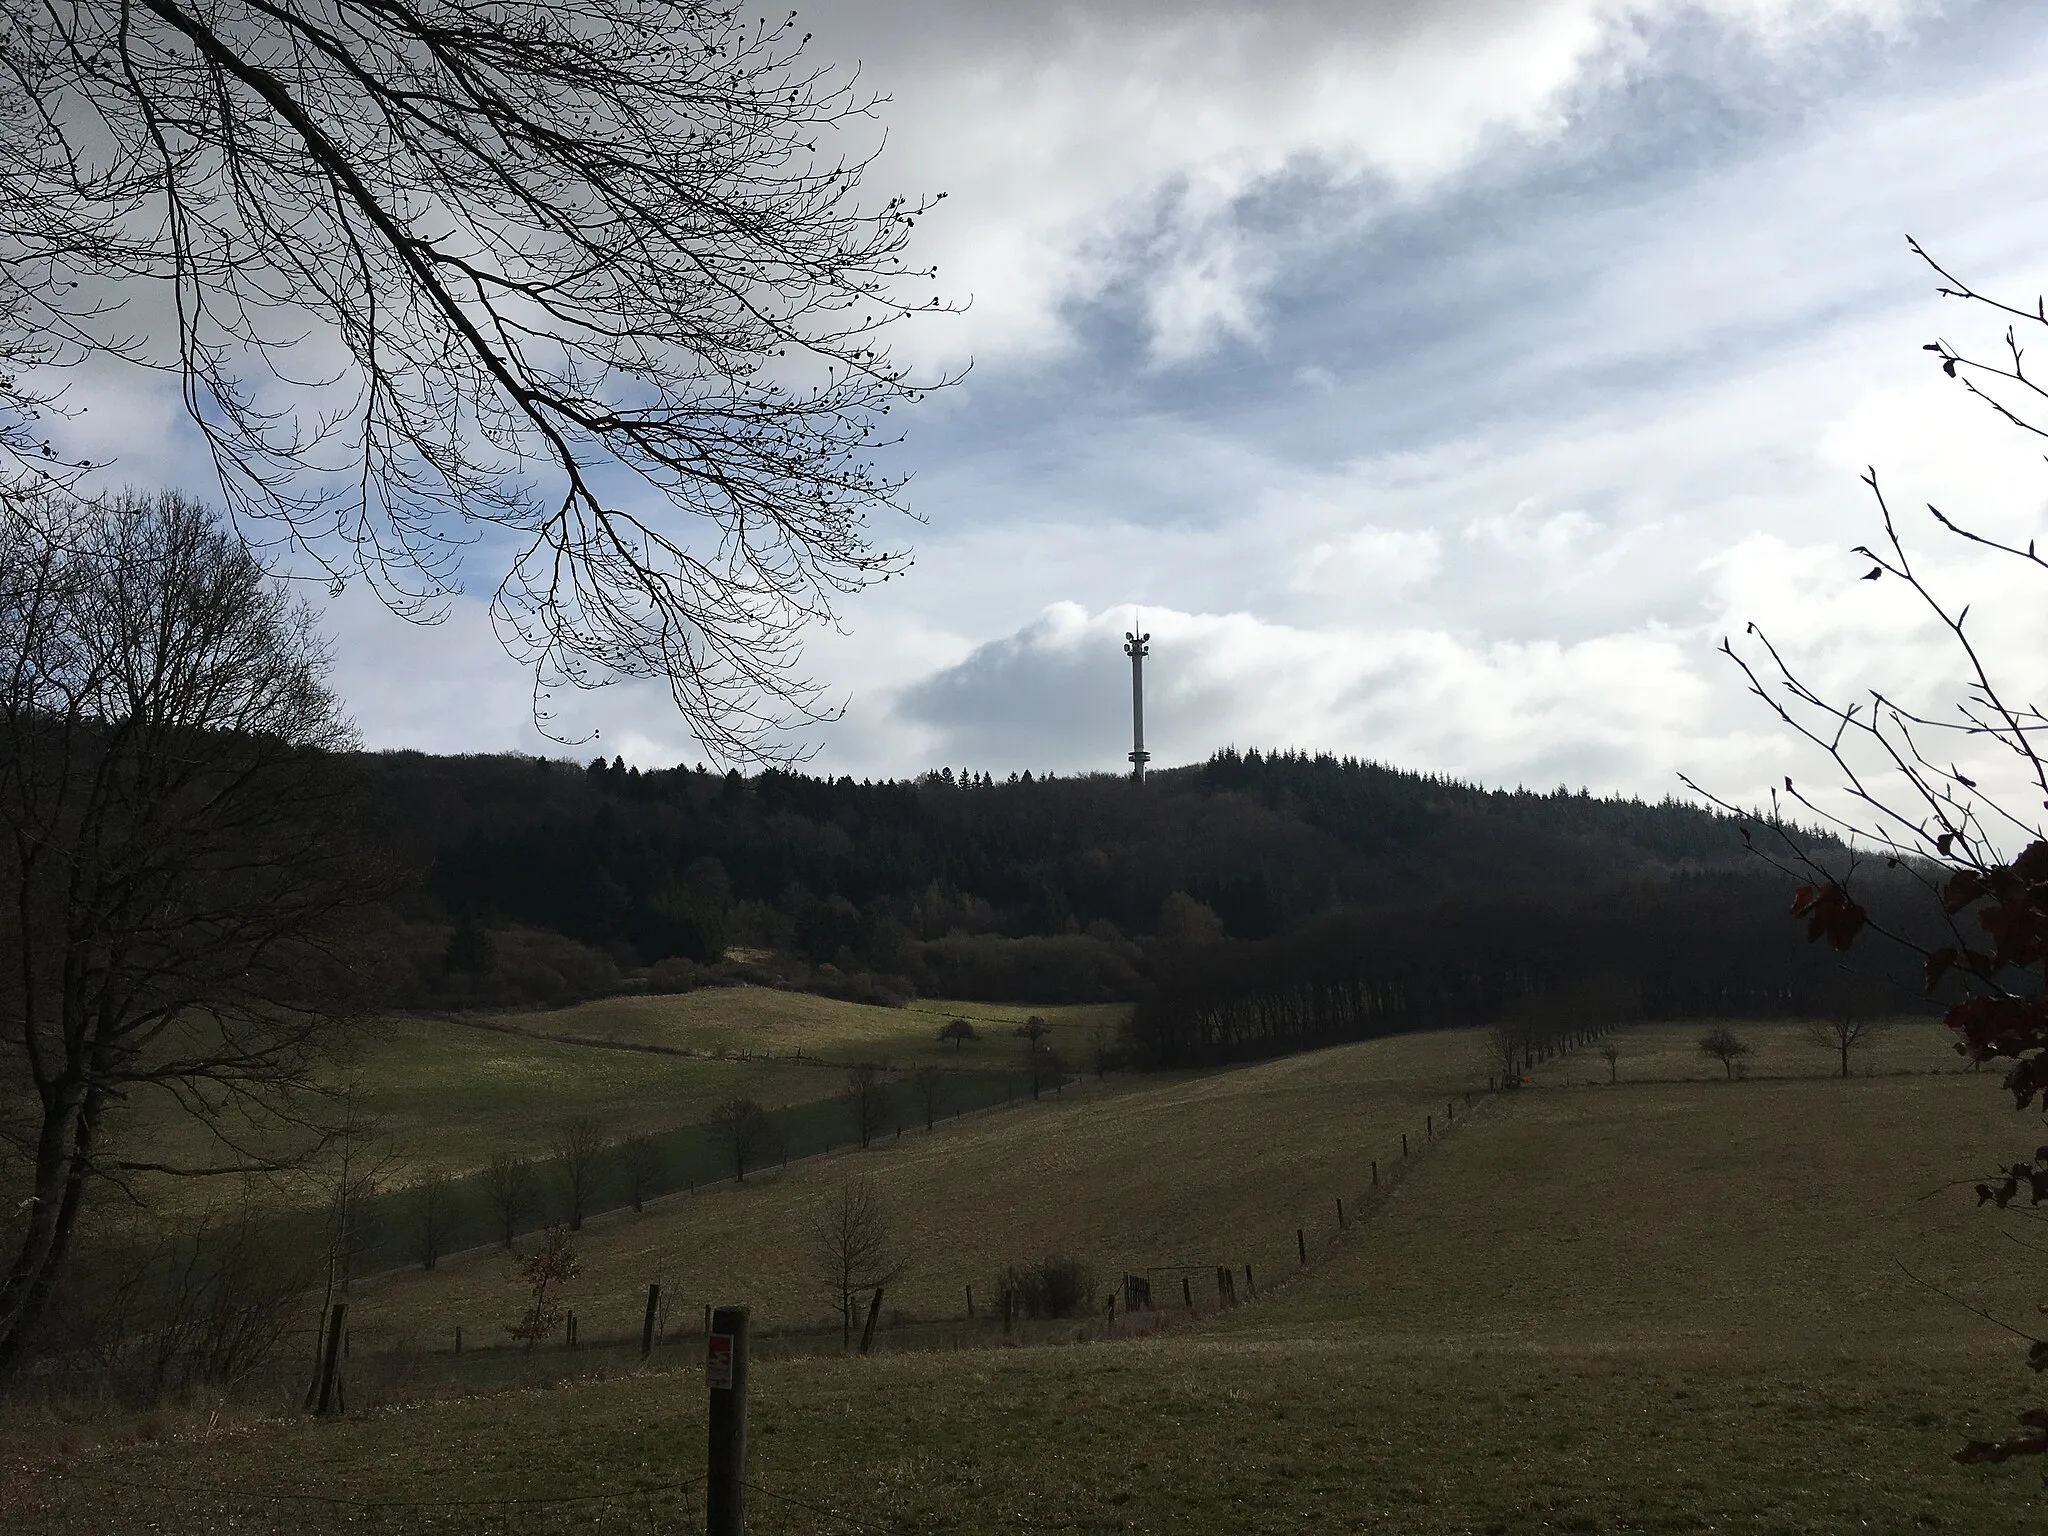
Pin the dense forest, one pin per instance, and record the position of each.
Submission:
(543, 881)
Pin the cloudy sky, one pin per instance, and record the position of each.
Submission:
(1437, 380)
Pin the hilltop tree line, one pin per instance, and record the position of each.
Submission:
(966, 885)
(1712, 945)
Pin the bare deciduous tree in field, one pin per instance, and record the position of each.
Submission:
(183, 883)
(1845, 1032)
(1509, 1043)
(744, 1130)
(929, 1084)
(866, 1097)
(1948, 793)
(511, 1189)
(853, 1249)
(640, 1156)
(1726, 1047)
(595, 275)
(959, 1031)
(579, 1153)
(1611, 1054)
(433, 1199)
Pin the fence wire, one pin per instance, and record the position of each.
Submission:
(660, 1509)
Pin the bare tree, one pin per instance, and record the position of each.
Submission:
(640, 1155)
(1845, 1032)
(866, 1097)
(1102, 1047)
(546, 1270)
(1509, 1042)
(853, 1248)
(1947, 793)
(959, 1031)
(744, 1130)
(559, 264)
(579, 1153)
(349, 1174)
(230, 1291)
(432, 1212)
(929, 1084)
(511, 1190)
(1724, 1046)
(1611, 1054)
(183, 878)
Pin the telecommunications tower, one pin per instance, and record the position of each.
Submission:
(1136, 648)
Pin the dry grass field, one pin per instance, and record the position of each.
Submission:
(1131, 1173)
(1670, 1052)
(1669, 1307)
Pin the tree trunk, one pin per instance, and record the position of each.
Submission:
(63, 1154)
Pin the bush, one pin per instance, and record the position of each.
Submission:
(1053, 1287)
(869, 987)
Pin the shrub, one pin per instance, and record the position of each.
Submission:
(1052, 1287)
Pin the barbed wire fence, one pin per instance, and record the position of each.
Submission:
(1144, 1295)
(653, 1509)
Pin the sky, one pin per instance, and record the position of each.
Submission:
(1437, 381)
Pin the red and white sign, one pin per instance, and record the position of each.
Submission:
(718, 1363)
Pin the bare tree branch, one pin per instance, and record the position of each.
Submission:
(590, 286)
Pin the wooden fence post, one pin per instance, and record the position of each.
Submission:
(970, 1301)
(707, 1319)
(1429, 1127)
(647, 1323)
(1251, 1286)
(1404, 1143)
(1375, 1173)
(330, 1400)
(1187, 1293)
(1301, 1246)
(725, 1376)
(458, 1338)
(867, 1334)
(1340, 1213)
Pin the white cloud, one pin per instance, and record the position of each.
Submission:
(1388, 559)
(1086, 151)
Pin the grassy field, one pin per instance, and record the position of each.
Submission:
(1671, 1053)
(1677, 1306)
(1133, 1173)
(448, 1094)
(762, 1020)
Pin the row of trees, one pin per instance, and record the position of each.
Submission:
(1706, 945)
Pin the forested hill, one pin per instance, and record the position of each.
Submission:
(684, 862)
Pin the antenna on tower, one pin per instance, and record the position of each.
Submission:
(1137, 649)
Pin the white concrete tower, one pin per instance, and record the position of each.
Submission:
(1136, 648)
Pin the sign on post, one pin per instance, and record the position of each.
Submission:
(725, 1375)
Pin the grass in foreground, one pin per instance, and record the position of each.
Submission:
(1654, 1308)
